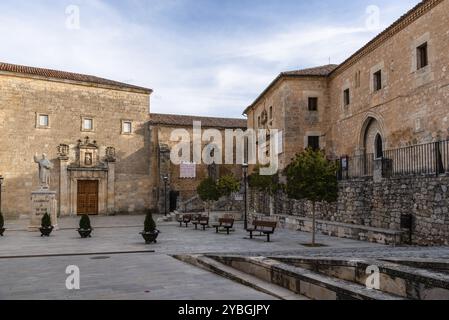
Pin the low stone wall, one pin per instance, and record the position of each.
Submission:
(380, 205)
(338, 229)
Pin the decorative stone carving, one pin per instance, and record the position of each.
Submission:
(88, 153)
(63, 151)
(110, 154)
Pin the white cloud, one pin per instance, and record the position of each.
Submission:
(192, 75)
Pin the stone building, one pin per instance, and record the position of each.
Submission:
(391, 93)
(185, 178)
(93, 130)
(384, 113)
(106, 147)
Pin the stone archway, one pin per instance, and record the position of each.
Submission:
(372, 138)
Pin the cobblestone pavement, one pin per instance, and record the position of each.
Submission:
(116, 264)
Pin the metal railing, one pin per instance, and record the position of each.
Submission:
(424, 159)
(356, 167)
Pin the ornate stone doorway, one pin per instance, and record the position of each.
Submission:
(87, 197)
(87, 179)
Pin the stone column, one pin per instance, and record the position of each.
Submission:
(111, 187)
(377, 173)
(63, 187)
(64, 202)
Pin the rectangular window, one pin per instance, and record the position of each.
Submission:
(377, 78)
(422, 56)
(313, 104)
(346, 97)
(88, 124)
(43, 120)
(271, 113)
(314, 142)
(127, 127)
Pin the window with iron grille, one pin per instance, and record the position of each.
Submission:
(313, 104)
(377, 78)
(422, 56)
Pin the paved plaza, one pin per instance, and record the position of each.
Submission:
(116, 264)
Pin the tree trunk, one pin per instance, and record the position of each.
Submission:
(313, 223)
(208, 209)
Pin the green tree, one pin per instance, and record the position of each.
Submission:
(227, 185)
(46, 221)
(266, 184)
(209, 192)
(85, 222)
(312, 177)
(149, 224)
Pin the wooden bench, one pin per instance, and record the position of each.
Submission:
(180, 219)
(224, 224)
(202, 221)
(187, 218)
(265, 228)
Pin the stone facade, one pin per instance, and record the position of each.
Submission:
(390, 94)
(24, 98)
(410, 107)
(183, 190)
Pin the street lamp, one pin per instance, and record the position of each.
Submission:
(1, 183)
(245, 181)
(165, 192)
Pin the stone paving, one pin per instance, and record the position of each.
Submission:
(116, 264)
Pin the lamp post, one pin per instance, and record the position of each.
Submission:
(245, 181)
(165, 192)
(1, 183)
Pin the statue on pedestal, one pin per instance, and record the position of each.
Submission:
(44, 170)
(43, 200)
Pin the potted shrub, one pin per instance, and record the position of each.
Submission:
(85, 228)
(2, 224)
(46, 227)
(150, 233)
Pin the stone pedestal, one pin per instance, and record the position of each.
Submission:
(43, 201)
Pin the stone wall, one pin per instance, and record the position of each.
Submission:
(380, 205)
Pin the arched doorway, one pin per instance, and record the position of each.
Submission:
(372, 141)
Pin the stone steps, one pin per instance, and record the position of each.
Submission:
(305, 282)
(404, 278)
(284, 281)
(218, 268)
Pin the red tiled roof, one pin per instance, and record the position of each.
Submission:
(62, 75)
(187, 121)
(321, 71)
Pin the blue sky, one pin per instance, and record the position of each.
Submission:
(204, 57)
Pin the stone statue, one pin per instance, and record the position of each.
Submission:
(44, 170)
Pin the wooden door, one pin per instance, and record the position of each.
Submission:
(87, 197)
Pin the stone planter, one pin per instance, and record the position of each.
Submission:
(85, 233)
(150, 237)
(45, 232)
